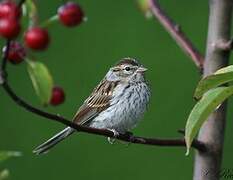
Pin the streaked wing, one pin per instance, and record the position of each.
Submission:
(98, 101)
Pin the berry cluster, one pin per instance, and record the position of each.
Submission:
(10, 14)
(36, 37)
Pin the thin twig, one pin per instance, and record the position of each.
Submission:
(175, 31)
(102, 132)
(128, 137)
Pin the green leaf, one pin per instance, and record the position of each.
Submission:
(225, 70)
(220, 77)
(4, 174)
(42, 80)
(4, 155)
(202, 110)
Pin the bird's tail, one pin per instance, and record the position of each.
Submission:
(44, 148)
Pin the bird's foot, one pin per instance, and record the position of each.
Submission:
(130, 138)
(111, 140)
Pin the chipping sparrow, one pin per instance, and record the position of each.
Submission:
(116, 103)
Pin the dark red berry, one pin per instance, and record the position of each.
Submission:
(58, 96)
(10, 9)
(16, 52)
(37, 38)
(9, 28)
(70, 14)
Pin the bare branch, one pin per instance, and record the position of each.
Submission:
(175, 31)
(128, 137)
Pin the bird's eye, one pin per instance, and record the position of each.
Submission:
(127, 68)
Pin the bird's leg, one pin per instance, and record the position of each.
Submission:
(130, 138)
(111, 140)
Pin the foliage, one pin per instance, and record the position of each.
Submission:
(210, 97)
(41, 79)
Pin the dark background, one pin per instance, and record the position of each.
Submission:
(78, 58)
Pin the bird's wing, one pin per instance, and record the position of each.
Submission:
(98, 101)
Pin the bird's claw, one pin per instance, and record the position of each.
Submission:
(130, 136)
(111, 140)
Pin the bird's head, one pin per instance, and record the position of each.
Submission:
(127, 69)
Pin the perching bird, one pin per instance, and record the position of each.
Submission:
(117, 103)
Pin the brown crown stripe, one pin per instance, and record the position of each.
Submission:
(128, 61)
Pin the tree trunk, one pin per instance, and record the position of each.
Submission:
(208, 165)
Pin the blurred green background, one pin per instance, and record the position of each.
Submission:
(78, 58)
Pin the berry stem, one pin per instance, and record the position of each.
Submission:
(32, 12)
(49, 21)
(5, 55)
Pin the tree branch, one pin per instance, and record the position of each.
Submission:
(175, 31)
(208, 165)
(128, 137)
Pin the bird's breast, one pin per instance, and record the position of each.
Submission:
(127, 105)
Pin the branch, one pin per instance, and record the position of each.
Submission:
(128, 137)
(212, 131)
(102, 132)
(175, 31)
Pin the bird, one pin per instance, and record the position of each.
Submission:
(117, 103)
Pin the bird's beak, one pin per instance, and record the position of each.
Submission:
(141, 69)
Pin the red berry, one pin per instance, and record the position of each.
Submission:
(70, 14)
(37, 38)
(10, 9)
(58, 96)
(9, 28)
(16, 52)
